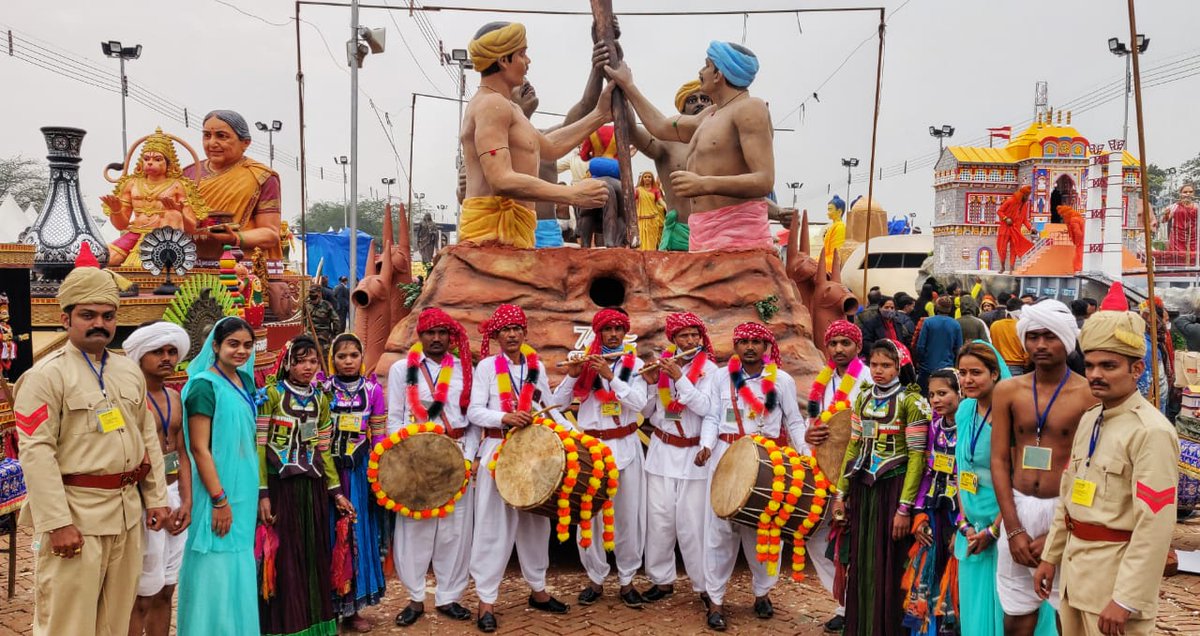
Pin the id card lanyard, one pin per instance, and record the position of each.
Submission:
(977, 427)
(1042, 416)
(99, 374)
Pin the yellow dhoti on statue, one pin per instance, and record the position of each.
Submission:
(497, 219)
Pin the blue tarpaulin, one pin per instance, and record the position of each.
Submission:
(334, 248)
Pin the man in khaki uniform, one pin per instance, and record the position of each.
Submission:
(1113, 526)
(91, 456)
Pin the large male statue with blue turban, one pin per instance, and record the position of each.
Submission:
(731, 166)
(503, 150)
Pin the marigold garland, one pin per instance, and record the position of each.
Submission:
(504, 380)
(441, 388)
(841, 395)
(770, 373)
(604, 473)
(787, 486)
(385, 500)
(664, 381)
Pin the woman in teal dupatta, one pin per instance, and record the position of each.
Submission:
(980, 368)
(218, 580)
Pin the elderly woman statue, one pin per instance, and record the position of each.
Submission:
(238, 188)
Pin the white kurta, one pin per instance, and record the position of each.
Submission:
(446, 542)
(819, 541)
(629, 504)
(721, 537)
(676, 488)
(497, 526)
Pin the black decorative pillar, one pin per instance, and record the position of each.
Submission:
(64, 223)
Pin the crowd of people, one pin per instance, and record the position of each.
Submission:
(981, 504)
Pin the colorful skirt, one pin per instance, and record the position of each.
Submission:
(303, 601)
(368, 583)
(874, 600)
(926, 571)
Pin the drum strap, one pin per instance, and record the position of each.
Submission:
(429, 383)
(737, 411)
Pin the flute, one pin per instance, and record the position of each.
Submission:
(658, 363)
(575, 357)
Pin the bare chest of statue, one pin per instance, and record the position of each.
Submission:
(715, 149)
(523, 144)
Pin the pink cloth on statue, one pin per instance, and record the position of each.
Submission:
(127, 241)
(741, 226)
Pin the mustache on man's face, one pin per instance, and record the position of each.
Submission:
(98, 331)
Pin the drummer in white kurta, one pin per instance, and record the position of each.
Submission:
(737, 413)
(497, 526)
(844, 377)
(680, 395)
(611, 394)
(444, 542)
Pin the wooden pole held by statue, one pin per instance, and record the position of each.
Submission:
(602, 14)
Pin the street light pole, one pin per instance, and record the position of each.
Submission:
(1119, 49)
(113, 48)
(461, 58)
(275, 127)
(795, 186)
(945, 131)
(849, 164)
(389, 182)
(342, 161)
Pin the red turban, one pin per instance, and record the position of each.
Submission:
(683, 320)
(433, 318)
(756, 331)
(602, 319)
(504, 316)
(844, 329)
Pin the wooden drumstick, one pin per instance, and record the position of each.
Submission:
(552, 407)
(658, 363)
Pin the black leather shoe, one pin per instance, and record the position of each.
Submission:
(716, 622)
(656, 593)
(408, 616)
(763, 608)
(455, 611)
(553, 606)
(588, 596)
(835, 625)
(486, 623)
(632, 599)
(707, 600)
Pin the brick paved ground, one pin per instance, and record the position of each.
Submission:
(799, 608)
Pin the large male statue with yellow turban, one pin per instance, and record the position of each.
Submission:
(731, 167)
(503, 149)
(670, 155)
(1116, 513)
(92, 460)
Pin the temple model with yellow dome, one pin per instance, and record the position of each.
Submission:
(1052, 158)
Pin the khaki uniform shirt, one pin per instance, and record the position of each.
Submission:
(1135, 474)
(57, 405)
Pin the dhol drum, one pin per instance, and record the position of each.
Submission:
(558, 472)
(774, 489)
(418, 472)
(832, 453)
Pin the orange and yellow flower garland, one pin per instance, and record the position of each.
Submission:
(604, 474)
(781, 507)
(385, 500)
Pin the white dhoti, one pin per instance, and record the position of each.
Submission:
(721, 541)
(1014, 581)
(826, 569)
(629, 529)
(498, 528)
(675, 513)
(445, 543)
(162, 553)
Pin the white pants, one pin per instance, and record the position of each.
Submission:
(826, 569)
(1014, 581)
(629, 529)
(446, 543)
(497, 528)
(675, 512)
(721, 541)
(163, 553)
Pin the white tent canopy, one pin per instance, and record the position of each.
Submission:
(31, 213)
(12, 220)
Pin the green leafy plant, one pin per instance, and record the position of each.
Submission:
(767, 307)
(411, 291)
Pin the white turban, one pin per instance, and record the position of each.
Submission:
(1052, 316)
(156, 336)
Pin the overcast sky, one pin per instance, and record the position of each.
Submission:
(969, 64)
